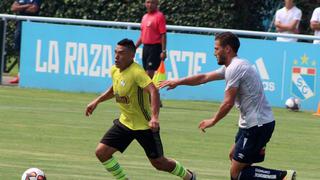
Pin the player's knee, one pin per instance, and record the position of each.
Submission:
(99, 152)
(102, 154)
(234, 174)
(231, 156)
(233, 178)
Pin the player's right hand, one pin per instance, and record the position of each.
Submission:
(154, 124)
(170, 84)
(203, 125)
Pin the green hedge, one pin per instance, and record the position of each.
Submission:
(232, 14)
(237, 14)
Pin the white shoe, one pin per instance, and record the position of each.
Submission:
(291, 175)
(193, 175)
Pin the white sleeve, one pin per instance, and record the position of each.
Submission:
(298, 15)
(221, 71)
(315, 15)
(277, 16)
(234, 76)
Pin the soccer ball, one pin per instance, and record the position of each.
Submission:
(293, 104)
(33, 174)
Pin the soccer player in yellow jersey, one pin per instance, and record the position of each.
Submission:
(131, 87)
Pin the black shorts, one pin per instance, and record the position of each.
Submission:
(151, 56)
(250, 143)
(119, 137)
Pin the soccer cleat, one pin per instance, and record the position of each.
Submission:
(193, 175)
(291, 175)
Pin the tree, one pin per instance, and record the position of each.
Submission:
(231, 14)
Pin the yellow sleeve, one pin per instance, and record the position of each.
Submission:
(142, 78)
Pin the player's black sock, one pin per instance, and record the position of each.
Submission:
(257, 173)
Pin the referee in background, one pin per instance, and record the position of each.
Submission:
(153, 37)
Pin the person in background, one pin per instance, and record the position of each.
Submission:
(287, 20)
(315, 24)
(153, 37)
(23, 8)
(131, 87)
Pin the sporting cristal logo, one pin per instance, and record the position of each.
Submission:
(303, 77)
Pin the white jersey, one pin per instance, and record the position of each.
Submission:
(250, 99)
(316, 17)
(285, 16)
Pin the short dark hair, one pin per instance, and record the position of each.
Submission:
(228, 38)
(128, 43)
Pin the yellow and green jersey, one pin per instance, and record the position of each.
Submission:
(129, 94)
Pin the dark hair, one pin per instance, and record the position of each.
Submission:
(228, 38)
(128, 43)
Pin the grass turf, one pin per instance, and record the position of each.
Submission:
(48, 130)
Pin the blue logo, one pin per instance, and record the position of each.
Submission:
(303, 78)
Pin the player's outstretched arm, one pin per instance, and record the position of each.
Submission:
(170, 84)
(108, 94)
(191, 80)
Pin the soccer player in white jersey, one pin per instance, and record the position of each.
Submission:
(245, 90)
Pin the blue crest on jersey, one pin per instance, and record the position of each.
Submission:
(303, 79)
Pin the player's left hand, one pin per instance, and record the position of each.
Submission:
(163, 56)
(205, 124)
(154, 124)
(171, 84)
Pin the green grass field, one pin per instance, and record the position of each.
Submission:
(48, 130)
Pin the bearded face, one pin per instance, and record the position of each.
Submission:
(220, 53)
